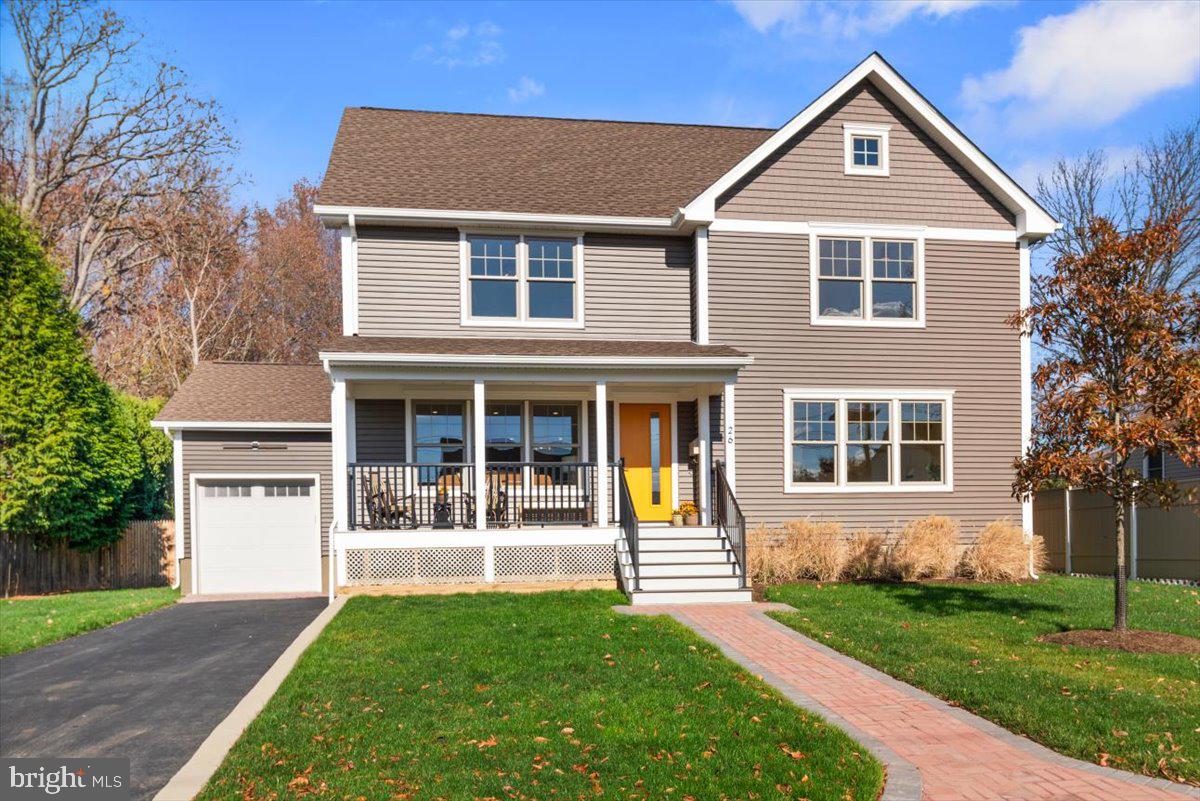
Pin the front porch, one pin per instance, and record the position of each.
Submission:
(516, 473)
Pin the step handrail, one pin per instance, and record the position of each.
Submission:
(729, 519)
(629, 523)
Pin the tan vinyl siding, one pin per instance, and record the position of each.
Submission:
(379, 430)
(1176, 470)
(966, 347)
(635, 287)
(305, 452)
(806, 181)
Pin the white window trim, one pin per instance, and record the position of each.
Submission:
(866, 234)
(874, 131)
(522, 320)
(895, 397)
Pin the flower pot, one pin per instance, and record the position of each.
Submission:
(691, 520)
(676, 520)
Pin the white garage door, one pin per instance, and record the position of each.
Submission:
(258, 536)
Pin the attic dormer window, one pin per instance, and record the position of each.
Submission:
(866, 147)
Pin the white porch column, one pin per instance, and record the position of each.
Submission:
(341, 500)
(601, 453)
(704, 430)
(1067, 531)
(1133, 539)
(1025, 290)
(730, 456)
(177, 481)
(479, 451)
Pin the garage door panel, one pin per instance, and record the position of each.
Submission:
(256, 537)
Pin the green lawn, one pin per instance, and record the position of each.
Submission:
(974, 646)
(31, 622)
(530, 696)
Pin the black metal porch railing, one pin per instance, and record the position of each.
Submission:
(729, 518)
(409, 495)
(628, 522)
(517, 494)
(541, 494)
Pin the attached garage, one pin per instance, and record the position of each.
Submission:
(253, 471)
(257, 535)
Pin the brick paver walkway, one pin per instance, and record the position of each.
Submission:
(958, 756)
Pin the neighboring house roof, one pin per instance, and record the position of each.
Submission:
(550, 348)
(240, 392)
(385, 158)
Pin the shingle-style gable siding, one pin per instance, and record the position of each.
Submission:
(965, 347)
(635, 287)
(805, 179)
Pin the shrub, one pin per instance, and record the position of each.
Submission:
(67, 456)
(801, 550)
(866, 556)
(927, 548)
(150, 496)
(1002, 554)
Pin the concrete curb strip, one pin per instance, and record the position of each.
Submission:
(192, 777)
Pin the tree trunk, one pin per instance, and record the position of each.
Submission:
(1121, 606)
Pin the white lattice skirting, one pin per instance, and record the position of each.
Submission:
(466, 564)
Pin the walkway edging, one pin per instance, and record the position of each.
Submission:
(902, 781)
(191, 778)
(977, 722)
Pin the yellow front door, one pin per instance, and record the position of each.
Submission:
(646, 449)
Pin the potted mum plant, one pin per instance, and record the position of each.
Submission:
(691, 515)
(677, 518)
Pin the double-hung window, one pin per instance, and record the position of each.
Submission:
(523, 280)
(869, 440)
(866, 280)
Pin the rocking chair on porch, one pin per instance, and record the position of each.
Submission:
(384, 510)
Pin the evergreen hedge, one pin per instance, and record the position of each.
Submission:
(69, 452)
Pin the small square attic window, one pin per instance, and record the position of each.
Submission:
(866, 147)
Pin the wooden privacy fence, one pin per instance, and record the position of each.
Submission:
(1078, 529)
(143, 557)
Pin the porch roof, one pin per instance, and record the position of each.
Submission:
(457, 351)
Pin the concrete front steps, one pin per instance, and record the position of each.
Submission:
(682, 566)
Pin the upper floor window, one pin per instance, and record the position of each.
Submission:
(523, 280)
(1154, 465)
(850, 441)
(866, 149)
(866, 280)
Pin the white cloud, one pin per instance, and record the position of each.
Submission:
(465, 45)
(843, 19)
(1089, 67)
(526, 89)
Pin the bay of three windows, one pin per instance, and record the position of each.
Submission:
(522, 278)
(866, 278)
(851, 442)
(551, 431)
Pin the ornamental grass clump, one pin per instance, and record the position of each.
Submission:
(866, 556)
(926, 548)
(802, 549)
(1001, 553)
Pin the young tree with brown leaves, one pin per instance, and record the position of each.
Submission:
(1120, 377)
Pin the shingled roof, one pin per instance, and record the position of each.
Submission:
(225, 392)
(532, 165)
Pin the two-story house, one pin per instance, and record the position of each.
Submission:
(556, 331)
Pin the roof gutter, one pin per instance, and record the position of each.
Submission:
(237, 425)
(538, 362)
(336, 216)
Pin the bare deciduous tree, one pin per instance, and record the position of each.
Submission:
(1156, 185)
(91, 135)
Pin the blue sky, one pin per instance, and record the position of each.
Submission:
(1026, 80)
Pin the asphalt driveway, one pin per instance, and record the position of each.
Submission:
(150, 689)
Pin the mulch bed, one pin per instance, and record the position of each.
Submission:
(1133, 640)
